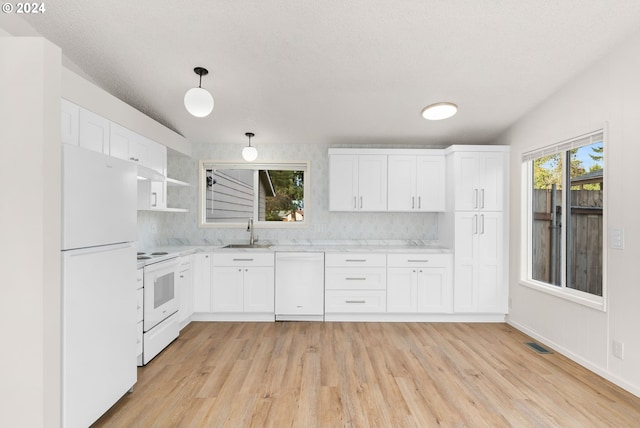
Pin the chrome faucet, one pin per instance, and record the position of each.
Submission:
(250, 230)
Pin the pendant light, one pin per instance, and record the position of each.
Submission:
(439, 111)
(249, 153)
(198, 101)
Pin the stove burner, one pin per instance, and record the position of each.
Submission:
(143, 257)
(159, 253)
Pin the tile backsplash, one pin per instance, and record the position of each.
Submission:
(165, 228)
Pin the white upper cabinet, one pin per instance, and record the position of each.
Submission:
(93, 132)
(416, 183)
(122, 141)
(479, 180)
(126, 144)
(70, 117)
(156, 157)
(357, 182)
(343, 182)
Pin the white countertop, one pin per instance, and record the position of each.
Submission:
(428, 247)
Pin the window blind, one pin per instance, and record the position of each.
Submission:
(583, 140)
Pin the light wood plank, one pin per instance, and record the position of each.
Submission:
(299, 374)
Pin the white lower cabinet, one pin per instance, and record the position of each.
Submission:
(140, 311)
(355, 283)
(419, 283)
(202, 283)
(185, 290)
(355, 301)
(243, 283)
(479, 283)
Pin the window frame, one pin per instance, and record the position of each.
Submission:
(304, 166)
(526, 251)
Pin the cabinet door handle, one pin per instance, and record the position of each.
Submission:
(481, 198)
(413, 202)
(155, 199)
(360, 202)
(482, 224)
(475, 198)
(355, 205)
(355, 260)
(242, 260)
(355, 279)
(419, 202)
(475, 224)
(418, 261)
(355, 301)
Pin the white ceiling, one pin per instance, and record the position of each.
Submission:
(336, 71)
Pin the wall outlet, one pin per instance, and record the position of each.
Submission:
(618, 349)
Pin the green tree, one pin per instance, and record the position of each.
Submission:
(547, 170)
(598, 155)
(289, 195)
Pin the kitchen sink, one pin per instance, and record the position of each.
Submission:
(247, 246)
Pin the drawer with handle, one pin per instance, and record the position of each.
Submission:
(355, 260)
(346, 301)
(418, 259)
(355, 279)
(248, 258)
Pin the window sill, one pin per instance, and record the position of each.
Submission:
(579, 297)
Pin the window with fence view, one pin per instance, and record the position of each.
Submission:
(566, 222)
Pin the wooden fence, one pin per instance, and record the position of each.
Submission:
(584, 239)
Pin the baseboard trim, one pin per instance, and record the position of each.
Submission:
(385, 317)
(246, 317)
(600, 371)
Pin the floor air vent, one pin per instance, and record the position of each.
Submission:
(539, 349)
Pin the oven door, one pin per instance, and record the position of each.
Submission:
(160, 294)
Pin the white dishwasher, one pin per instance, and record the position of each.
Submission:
(299, 286)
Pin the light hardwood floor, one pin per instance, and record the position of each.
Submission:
(303, 374)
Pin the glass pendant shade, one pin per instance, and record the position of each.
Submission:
(249, 153)
(198, 102)
(439, 111)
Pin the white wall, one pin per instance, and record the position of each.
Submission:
(324, 225)
(608, 92)
(30, 70)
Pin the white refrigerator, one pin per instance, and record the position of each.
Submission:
(99, 196)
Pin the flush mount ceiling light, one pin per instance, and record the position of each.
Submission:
(249, 153)
(439, 111)
(198, 101)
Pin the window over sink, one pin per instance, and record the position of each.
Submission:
(272, 194)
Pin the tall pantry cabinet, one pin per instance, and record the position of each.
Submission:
(475, 226)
